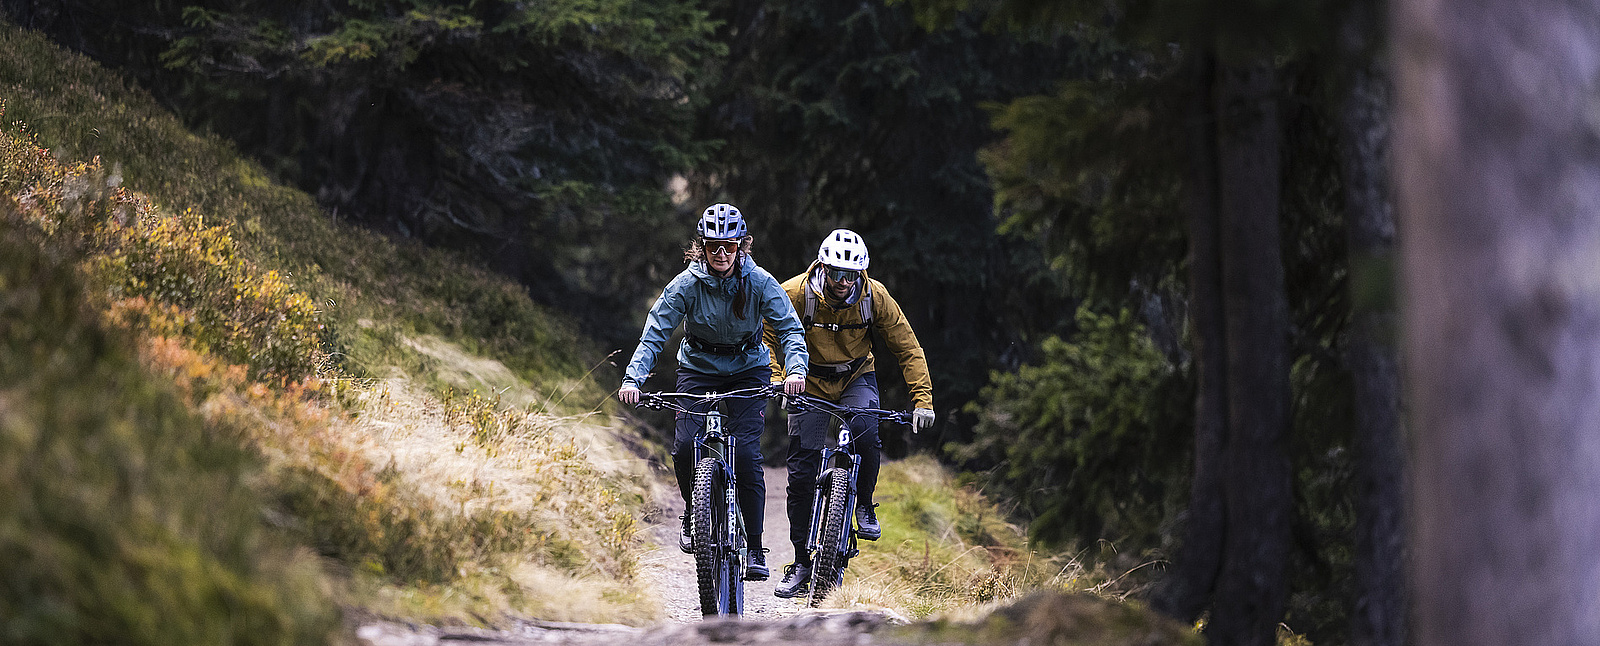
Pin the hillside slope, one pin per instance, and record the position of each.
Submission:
(300, 417)
(432, 479)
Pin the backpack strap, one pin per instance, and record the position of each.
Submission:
(808, 320)
(811, 304)
(866, 302)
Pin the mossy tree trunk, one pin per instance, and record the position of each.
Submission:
(1498, 190)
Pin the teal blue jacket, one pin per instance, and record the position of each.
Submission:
(704, 304)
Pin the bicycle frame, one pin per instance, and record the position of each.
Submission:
(712, 442)
(729, 551)
(845, 452)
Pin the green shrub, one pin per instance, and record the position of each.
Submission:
(68, 103)
(1093, 440)
(243, 315)
(225, 305)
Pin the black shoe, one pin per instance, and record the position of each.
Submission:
(867, 522)
(757, 569)
(796, 581)
(685, 541)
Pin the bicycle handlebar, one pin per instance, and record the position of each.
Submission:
(802, 402)
(839, 411)
(658, 401)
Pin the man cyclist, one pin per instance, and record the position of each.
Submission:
(839, 308)
(722, 299)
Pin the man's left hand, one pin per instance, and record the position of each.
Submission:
(794, 385)
(921, 418)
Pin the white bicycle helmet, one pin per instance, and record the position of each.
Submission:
(721, 222)
(844, 249)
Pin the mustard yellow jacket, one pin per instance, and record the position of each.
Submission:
(827, 346)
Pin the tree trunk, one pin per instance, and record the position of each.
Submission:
(1186, 592)
(1498, 178)
(1253, 586)
(1379, 614)
(1236, 540)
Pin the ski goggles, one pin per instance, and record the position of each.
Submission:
(728, 247)
(843, 275)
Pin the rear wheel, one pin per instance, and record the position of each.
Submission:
(710, 526)
(830, 560)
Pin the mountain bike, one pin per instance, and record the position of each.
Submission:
(716, 526)
(832, 539)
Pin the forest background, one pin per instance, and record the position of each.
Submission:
(1095, 214)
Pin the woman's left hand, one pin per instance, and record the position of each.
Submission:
(794, 385)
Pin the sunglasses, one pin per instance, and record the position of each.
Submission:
(843, 275)
(728, 247)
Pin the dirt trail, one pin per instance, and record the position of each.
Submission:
(672, 571)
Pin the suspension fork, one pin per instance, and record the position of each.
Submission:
(814, 537)
(714, 442)
(736, 529)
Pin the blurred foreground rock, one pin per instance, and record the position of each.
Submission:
(1042, 619)
(1054, 619)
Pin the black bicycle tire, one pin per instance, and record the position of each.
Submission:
(707, 531)
(830, 560)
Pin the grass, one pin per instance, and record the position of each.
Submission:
(551, 524)
(947, 551)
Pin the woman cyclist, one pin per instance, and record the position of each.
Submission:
(722, 299)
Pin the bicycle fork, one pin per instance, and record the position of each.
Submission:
(724, 447)
(818, 496)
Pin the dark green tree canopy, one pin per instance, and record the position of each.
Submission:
(847, 114)
(537, 136)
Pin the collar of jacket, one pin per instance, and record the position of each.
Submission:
(726, 285)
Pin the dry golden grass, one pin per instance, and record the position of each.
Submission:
(949, 552)
(575, 488)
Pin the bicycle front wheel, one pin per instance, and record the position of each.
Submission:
(712, 560)
(830, 559)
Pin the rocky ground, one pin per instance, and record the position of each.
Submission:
(823, 629)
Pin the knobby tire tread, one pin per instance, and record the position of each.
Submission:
(707, 532)
(830, 560)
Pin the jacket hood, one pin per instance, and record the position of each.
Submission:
(747, 267)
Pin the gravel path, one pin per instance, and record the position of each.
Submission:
(672, 572)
